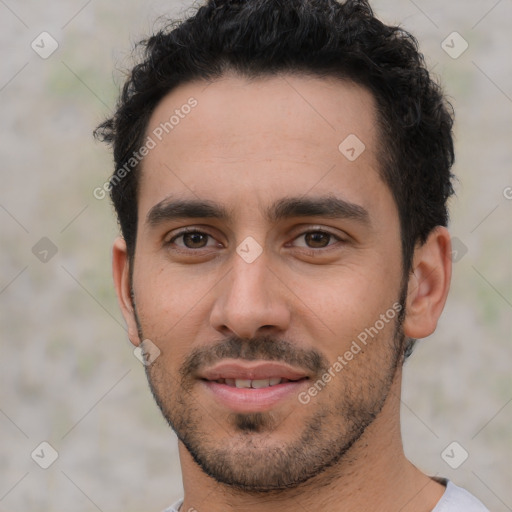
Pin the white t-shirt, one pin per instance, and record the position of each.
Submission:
(454, 499)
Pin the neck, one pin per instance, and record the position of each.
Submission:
(373, 475)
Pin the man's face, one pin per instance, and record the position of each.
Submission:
(291, 251)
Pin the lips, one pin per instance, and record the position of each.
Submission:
(252, 386)
(252, 371)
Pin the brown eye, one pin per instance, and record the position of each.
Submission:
(317, 239)
(195, 240)
(192, 240)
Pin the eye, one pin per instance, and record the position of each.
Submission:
(315, 239)
(192, 239)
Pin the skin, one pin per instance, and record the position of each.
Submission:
(246, 145)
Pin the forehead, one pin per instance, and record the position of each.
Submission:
(250, 142)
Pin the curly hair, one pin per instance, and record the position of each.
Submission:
(322, 38)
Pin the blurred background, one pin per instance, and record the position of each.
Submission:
(68, 374)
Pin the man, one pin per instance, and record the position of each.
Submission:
(282, 174)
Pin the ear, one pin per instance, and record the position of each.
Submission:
(121, 273)
(429, 283)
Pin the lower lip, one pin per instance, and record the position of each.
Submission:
(251, 399)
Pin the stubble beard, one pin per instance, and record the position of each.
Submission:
(244, 455)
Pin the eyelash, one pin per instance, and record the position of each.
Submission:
(307, 250)
(312, 251)
(184, 232)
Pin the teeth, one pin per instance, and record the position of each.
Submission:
(256, 384)
(242, 383)
(260, 383)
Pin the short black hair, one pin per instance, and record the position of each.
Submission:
(322, 38)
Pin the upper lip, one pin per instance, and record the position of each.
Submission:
(252, 370)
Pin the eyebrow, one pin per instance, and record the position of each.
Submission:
(330, 207)
(169, 209)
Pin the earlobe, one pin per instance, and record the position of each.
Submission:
(428, 285)
(121, 275)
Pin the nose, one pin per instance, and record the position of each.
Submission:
(251, 301)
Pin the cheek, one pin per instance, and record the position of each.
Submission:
(345, 301)
(160, 301)
(172, 305)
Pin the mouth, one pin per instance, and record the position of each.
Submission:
(252, 386)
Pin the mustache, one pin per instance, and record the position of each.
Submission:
(259, 348)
